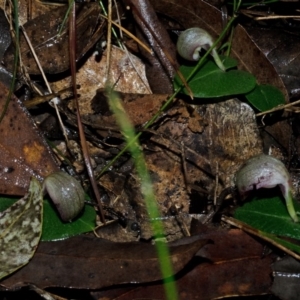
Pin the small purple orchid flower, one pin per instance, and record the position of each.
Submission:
(264, 171)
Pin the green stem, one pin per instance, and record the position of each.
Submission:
(290, 206)
(148, 193)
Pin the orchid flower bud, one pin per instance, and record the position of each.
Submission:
(264, 171)
(192, 40)
(66, 193)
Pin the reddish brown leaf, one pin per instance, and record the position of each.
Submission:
(252, 59)
(211, 282)
(91, 263)
(24, 152)
(241, 245)
(237, 269)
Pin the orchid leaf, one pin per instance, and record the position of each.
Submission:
(265, 97)
(53, 227)
(211, 82)
(269, 214)
(21, 228)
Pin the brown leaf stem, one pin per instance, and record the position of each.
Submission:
(85, 151)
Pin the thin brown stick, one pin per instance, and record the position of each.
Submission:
(130, 35)
(256, 232)
(85, 151)
(36, 59)
(54, 103)
(280, 107)
(44, 98)
(108, 60)
(276, 17)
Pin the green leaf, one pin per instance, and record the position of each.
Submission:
(269, 215)
(265, 97)
(20, 230)
(53, 227)
(287, 244)
(211, 82)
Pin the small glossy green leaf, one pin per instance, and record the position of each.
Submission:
(53, 227)
(287, 244)
(20, 230)
(265, 97)
(211, 82)
(269, 215)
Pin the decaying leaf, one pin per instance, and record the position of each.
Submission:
(208, 281)
(214, 136)
(91, 263)
(21, 228)
(53, 227)
(280, 46)
(43, 34)
(29, 9)
(234, 266)
(286, 278)
(162, 64)
(127, 74)
(24, 152)
(139, 107)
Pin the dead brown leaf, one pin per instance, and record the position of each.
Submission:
(24, 152)
(210, 281)
(29, 9)
(213, 139)
(127, 75)
(237, 268)
(286, 278)
(91, 263)
(162, 65)
(280, 46)
(140, 109)
(51, 49)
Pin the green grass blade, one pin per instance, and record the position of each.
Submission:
(148, 193)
